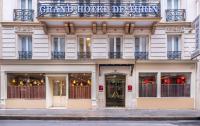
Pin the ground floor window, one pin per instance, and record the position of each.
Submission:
(26, 86)
(147, 84)
(175, 84)
(80, 86)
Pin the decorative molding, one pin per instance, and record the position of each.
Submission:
(45, 28)
(174, 29)
(94, 28)
(104, 28)
(67, 30)
(22, 29)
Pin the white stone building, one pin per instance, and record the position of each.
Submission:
(88, 54)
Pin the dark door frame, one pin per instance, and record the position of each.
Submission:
(125, 77)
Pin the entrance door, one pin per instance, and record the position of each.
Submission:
(115, 90)
(59, 92)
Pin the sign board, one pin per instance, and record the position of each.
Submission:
(99, 9)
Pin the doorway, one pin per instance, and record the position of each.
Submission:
(59, 91)
(115, 90)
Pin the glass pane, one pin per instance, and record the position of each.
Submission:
(29, 4)
(137, 44)
(147, 84)
(88, 44)
(169, 4)
(176, 3)
(55, 44)
(143, 44)
(118, 44)
(176, 43)
(62, 44)
(175, 84)
(112, 45)
(29, 43)
(169, 43)
(81, 45)
(23, 4)
(23, 40)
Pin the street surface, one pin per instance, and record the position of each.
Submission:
(96, 123)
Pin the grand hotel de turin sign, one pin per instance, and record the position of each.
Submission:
(66, 9)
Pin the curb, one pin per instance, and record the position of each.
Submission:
(24, 117)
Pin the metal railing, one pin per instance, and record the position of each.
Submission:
(141, 55)
(172, 55)
(25, 55)
(175, 90)
(147, 90)
(175, 15)
(58, 55)
(73, 8)
(23, 15)
(84, 55)
(115, 55)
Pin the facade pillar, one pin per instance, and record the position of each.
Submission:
(48, 93)
(159, 85)
(3, 89)
(94, 90)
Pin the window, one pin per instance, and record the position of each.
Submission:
(173, 4)
(147, 84)
(80, 86)
(58, 48)
(141, 47)
(173, 47)
(115, 46)
(25, 47)
(26, 86)
(26, 4)
(26, 43)
(175, 84)
(84, 47)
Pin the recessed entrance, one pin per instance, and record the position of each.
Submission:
(115, 90)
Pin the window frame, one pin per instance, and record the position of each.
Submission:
(115, 43)
(27, 38)
(173, 37)
(59, 49)
(140, 43)
(84, 44)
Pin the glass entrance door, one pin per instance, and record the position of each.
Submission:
(59, 92)
(115, 90)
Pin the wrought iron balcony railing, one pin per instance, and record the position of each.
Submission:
(175, 90)
(175, 15)
(115, 55)
(84, 55)
(58, 55)
(141, 55)
(25, 55)
(23, 15)
(172, 55)
(67, 8)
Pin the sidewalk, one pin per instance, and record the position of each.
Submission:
(98, 114)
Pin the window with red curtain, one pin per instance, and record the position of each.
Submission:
(147, 84)
(175, 84)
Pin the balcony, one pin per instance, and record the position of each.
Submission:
(23, 15)
(173, 55)
(58, 55)
(175, 15)
(141, 55)
(25, 55)
(97, 9)
(84, 55)
(115, 55)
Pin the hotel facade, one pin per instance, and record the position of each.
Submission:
(96, 54)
